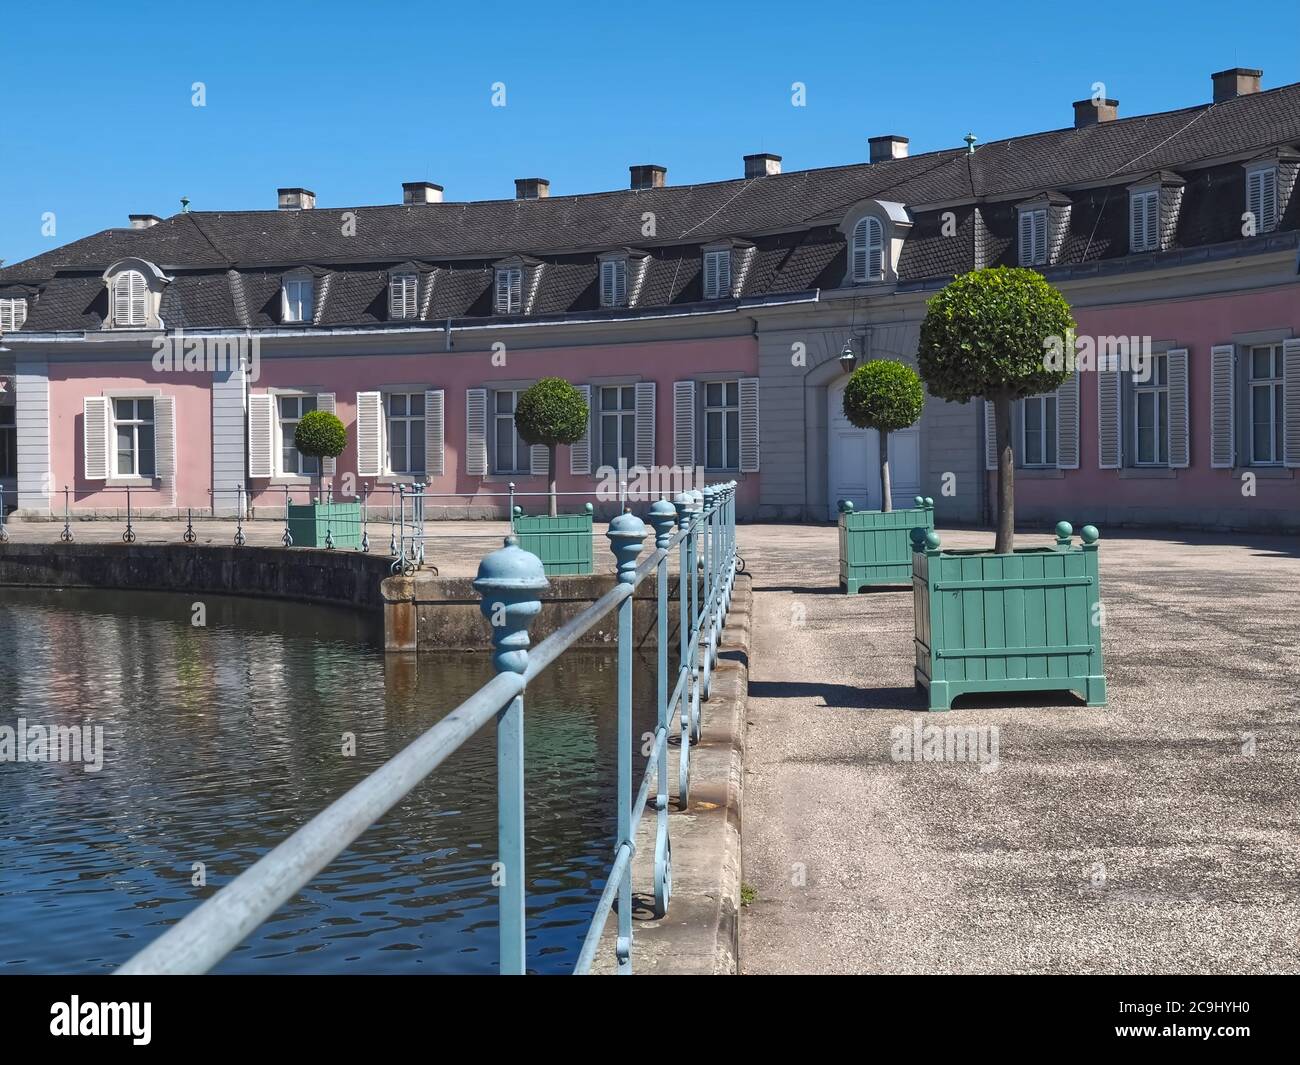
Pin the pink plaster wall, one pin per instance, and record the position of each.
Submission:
(1196, 324)
(455, 372)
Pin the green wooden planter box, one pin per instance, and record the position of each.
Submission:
(309, 522)
(875, 547)
(563, 542)
(1027, 621)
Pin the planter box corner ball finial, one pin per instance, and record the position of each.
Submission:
(876, 546)
(1025, 621)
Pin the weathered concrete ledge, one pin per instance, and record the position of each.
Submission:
(340, 578)
(423, 612)
(700, 934)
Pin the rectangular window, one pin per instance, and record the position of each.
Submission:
(722, 425)
(292, 408)
(8, 443)
(510, 290)
(1144, 220)
(717, 274)
(1038, 428)
(613, 282)
(402, 290)
(298, 300)
(133, 451)
(1151, 415)
(12, 314)
(511, 454)
(1033, 237)
(1267, 412)
(618, 425)
(405, 432)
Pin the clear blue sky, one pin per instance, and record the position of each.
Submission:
(356, 98)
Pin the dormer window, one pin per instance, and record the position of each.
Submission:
(402, 296)
(1033, 237)
(1144, 220)
(130, 299)
(717, 274)
(1261, 198)
(613, 283)
(13, 313)
(868, 250)
(298, 298)
(509, 289)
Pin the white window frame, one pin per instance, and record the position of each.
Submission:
(298, 298)
(1256, 176)
(1138, 206)
(403, 296)
(1160, 403)
(1277, 404)
(517, 443)
(730, 462)
(868, 240)
(613, 282)
(624, 418)
(135, 423)
(1036, 219)
(285, 438)
(8, 440)
(512, 290)
(721, 285)
(1046, 438)
(405, 427)
(13, 313)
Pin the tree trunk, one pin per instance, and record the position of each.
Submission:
(1006, 538)
(886, 491)
(550, 466)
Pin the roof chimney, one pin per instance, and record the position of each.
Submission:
(890, 146)
(648, 176)
(1089, 112)
(532, 188)
(764, 164)
(1239, 81)
(143, 221)
(421, 192)
(296, 199)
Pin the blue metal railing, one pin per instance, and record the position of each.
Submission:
(701, 527)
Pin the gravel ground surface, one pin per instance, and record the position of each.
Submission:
(1145, 837)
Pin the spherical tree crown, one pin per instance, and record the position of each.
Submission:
(320, 434)
(884, 395)
(987, 333)
(551, 412)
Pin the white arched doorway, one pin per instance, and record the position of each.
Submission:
(853, 460)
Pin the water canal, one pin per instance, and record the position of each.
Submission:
(220, 740)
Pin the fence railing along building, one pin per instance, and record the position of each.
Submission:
(700, 529)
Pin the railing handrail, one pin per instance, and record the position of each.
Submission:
(216, 927)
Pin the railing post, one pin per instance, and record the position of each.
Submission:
(287, 538)
(240, 539)
(365, 516)
(664, 519)
(626, 537)
(66, 534)
(682, 504)
(128, 537)
(510, 582)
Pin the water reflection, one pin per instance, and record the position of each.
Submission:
(219, 741)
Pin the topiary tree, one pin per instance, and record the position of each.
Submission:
(886, 396)
(320, 435)
(552, 412)
(986, 335)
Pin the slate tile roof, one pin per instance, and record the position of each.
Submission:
(227, 265)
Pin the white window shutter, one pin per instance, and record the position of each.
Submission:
(370, 434)
(1026, 238)
(875, 250)
(749, 449)
(645, 424)
(684, 424)
(434, 433)
(502, 292)
(1153, 220)
(1137, 217)
(164, 444)
(261, 435)
(607, 284)
(1180, 447)
(537, 460)
(710, 275)
(1223, 404)
(94, 437)
(1067, 424)
(1268, 197)
(860, 255)
(1110, 452)
(139, 294)
(620, 283)
(476, 459)
(325, 401)
(724, 274)
(990, 436)
(516, 291)
(1291, 402)
(580, 450)
(1040, 238)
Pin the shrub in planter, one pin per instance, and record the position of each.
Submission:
(1005, 620)
(550, 413)
(886, 396)
(321, 435)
